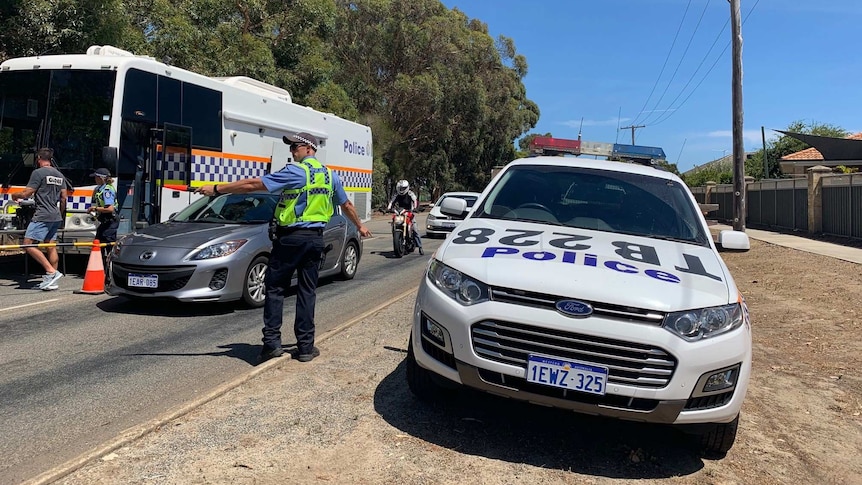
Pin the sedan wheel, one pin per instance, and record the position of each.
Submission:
(254, 289)
(349, 261)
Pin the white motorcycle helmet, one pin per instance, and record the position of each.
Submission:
(402, 187)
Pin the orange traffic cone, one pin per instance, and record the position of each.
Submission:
(94, 279)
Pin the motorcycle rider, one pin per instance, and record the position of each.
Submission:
(406, 199)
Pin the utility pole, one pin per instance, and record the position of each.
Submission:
(739, 201)
(633, 128)
(765, 154)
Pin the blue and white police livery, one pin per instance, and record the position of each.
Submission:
(587, 285)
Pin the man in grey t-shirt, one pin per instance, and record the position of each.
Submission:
(48, 186)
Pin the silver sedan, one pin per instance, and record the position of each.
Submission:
(217, 249)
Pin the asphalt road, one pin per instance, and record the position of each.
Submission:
(75, 370)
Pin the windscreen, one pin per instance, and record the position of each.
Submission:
(230, 209)
(604, 200)
(67, 110)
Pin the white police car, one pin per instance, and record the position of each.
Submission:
(588, 285)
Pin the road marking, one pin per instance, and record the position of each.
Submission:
(139, 431)
(28, 304)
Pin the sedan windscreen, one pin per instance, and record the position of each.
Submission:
(230, 208)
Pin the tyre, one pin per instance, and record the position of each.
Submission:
(717, 439)
(420, 380)
(254, 286)
(398, 244)
(349, 261)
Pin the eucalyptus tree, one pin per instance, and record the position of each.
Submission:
(451, 96)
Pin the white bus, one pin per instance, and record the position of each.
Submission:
(159, 129)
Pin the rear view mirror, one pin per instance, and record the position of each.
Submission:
(110, 156)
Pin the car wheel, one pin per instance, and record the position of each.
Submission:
(717, 439)
(419, 380)
(349, 261)
(254, 287)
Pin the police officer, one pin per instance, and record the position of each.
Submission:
(103, 206)
(308, 189)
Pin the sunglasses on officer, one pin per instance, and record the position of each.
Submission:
(294, 146)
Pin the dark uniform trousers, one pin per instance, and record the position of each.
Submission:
(300, 251)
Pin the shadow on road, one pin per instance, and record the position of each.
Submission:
(248, 353)
(165, 308)
(479, 424)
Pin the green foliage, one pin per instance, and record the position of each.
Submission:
(445, 100)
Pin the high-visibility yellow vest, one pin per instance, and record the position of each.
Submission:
(318, 196)
(99, 194)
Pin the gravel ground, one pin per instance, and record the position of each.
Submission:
(347, 416)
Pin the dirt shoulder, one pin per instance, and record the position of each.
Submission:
(347, 417)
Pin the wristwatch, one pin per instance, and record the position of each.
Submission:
(215, 190)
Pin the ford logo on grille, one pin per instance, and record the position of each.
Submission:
(574, 308)
(147, 255)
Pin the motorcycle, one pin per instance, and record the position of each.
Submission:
(402, 236)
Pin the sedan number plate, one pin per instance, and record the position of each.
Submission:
(565, 374)
(448, 224)
(144, 280)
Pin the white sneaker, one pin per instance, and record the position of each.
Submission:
(51, 287)
(50, 279)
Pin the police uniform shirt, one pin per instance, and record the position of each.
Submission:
(108, 196)
(292, 176)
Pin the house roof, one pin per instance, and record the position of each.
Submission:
(828, 143)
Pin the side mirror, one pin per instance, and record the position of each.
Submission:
(733, 240)
(454, 206)
(110, 155)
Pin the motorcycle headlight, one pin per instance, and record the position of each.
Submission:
(692, 325)
(399, 219)
(218, 250)
(460, 287)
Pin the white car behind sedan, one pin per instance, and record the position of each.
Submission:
(440, 224)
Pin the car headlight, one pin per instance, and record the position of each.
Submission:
(703, 323)
(218, 250)
(460, 287)
(118, 246)
(431, 217)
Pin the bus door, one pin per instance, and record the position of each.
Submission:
(174, 171)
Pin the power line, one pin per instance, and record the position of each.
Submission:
(667, 58)
(671, 112)
(681, 59)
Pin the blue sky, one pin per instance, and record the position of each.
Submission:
(601, 61)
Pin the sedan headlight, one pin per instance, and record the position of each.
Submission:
(431, 217)
(218, 250)
(460, 287)
(703, 323)
(118, 246)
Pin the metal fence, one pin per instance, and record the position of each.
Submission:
(783, 204)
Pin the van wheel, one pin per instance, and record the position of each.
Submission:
(254, 287)
(349, 261)
(419, 380)
(717, 439)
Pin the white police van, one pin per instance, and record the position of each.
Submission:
(587, 285)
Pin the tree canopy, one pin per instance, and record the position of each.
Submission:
(445, 100)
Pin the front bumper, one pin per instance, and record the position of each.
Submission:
(678, 401)
(186, 283)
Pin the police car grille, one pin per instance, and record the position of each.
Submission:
(628, 363)
(548, 302)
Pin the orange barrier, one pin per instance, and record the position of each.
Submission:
(94, 279)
